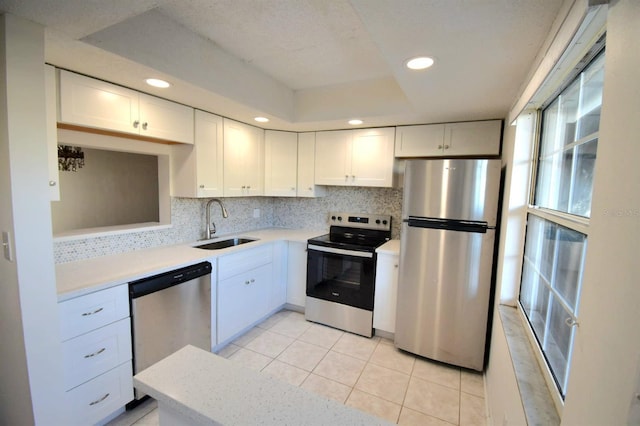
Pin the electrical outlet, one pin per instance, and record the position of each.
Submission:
(256, 213)
(6, 246)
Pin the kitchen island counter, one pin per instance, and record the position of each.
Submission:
(75, 279)
(195, 387)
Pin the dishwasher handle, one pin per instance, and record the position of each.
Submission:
(149, 285)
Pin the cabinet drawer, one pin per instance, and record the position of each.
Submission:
(95, 400)
(94, 310)
(96, 352)
(236, 263)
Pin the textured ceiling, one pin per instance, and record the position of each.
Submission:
(306, 64)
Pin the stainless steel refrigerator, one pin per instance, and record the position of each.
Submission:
(447, 241)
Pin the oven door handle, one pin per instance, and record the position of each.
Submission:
(340, 251)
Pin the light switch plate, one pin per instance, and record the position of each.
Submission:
(6, 246)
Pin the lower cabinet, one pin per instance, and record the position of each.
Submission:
(244, 290)
(96, 333)
(384, 307)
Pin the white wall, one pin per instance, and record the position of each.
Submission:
(30, 353)
(606, 359)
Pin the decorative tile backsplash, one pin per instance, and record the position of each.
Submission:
(188, 219)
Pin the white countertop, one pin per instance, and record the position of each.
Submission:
(390, 247)
(204, 388)
(75, 279)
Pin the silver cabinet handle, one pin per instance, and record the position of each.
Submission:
(446, 147)
(144, 125)
(52, 183)
(253, 280)
(98, 401)
(439, 146)
(395, 266)
(310, 189)
(136, 124)
(95, 353)
(244, 187)
(247, 282)
(346, 177)
(86, 314)
(353, 177)
(293, 189)
(248, 186)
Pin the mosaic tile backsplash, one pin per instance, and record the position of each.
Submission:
(188, 219)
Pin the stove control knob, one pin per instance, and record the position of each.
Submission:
(333, 218)
(384, 222)
(377, 221)
(340, 218)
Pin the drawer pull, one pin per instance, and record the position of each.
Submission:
(98, 401)
(95, 353)
(86, 314)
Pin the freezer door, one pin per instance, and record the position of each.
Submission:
(452, 189)
(443, 294)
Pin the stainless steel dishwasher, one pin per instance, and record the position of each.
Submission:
(169, 311)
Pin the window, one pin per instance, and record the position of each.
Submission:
(557, 221)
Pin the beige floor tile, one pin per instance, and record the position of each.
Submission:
(374, 405)
(250, 359)
(273, 319)
(473, 383)
(391, 357)
(385, 341)
(409, 417)
(341, 368)
(270, 344)
(285, 372)
(228, 350)
(383, 382)
(356, 346)
(321, 335)
(151, 419)
(293, 325)
(303, 355)
(438, 373)
(433, 399)
(325, 387)
(248, 336)
(472, 410)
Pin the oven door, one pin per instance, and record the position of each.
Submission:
(341, 276)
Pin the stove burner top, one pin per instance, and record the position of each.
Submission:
(363, 232)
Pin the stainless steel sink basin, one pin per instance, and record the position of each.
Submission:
(231, 242)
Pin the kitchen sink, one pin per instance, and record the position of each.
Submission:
(231, 242)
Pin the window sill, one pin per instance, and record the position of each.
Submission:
(534, 393)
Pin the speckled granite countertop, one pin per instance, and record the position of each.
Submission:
(75, 279)
(202, 388)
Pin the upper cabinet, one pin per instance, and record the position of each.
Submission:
(362, 157)
(92, 103)
(243, 159)
(475, 138)
(197, 170)
(52, 135)
(280, 163)
(307, 166)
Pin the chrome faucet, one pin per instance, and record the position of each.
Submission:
(211, 227)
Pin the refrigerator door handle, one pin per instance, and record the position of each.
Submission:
(448, 224)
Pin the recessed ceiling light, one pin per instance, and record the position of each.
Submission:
(355, 122)
(262, 119)
(419, 63)
(156, 82)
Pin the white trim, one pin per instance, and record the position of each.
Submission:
(568, 220)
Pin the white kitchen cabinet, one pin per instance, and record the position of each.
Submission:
(243, 159)
(475, 138)
(362, 157)
(279, 280)
(384, 307)
(306, 186)
(297, 274)
(92, 103)
(197, 170)
(51, 96)
(280, 163)
(96, 344)
(244, 290)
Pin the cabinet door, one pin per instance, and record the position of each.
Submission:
(372, 157)
(473, 138)
(297, 273)
(419, 141)
(384, 310)
(88, 102)
(208, 146)
(333, 158)
(51, 97)
(306, 186)
(280, 163)
(243, 159)
(167, 120)
(242, 300)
